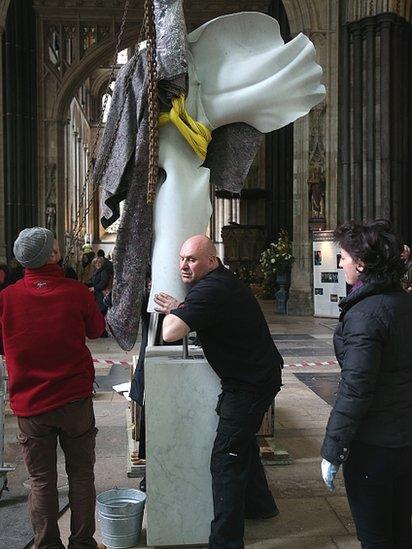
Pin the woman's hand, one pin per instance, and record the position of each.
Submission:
(329, 471)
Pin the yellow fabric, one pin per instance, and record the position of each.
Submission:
(196, 134)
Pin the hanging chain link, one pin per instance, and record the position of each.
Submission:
(153, 106)
(147, 29)
(371, 7)
(82, 212)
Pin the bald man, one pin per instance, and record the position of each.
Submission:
(238, 346)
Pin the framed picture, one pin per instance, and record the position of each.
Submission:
(317, 257)
(329, 277)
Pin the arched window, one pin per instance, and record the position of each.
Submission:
(123, 57)
(107, 95)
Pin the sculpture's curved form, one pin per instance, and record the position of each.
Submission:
(240, 70)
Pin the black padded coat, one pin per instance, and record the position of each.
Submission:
(373, 345)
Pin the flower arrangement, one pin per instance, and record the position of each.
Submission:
(278, 257)
(246, 274)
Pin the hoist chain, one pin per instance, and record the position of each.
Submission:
(153, 106)
(148, 28)
(81, 214)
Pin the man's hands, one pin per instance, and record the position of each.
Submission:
(329, 471)
(165, 303)
(173, 327)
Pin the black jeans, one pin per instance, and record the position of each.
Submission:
(378, 483)
(238, 480)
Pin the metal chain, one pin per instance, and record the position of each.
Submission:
(148, 28)
(153, 106)
(81, 214)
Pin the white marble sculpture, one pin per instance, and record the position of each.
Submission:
(179, 435)
(240, 70)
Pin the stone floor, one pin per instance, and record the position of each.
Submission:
(310, 517)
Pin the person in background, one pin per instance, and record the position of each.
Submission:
(102, 285)
(70, 272)
(44, 321)
(109, 264)
(407, 279)
(87, 269)
(16, 271)
(370, 426)
(138, 457)
(237, 344)
(4, 277)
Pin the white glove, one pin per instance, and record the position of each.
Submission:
(329, 471)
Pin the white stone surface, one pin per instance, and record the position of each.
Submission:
(181, 422)
(240, 70)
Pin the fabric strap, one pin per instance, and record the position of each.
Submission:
(196, 134)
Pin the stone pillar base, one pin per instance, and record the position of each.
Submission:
(300, 302)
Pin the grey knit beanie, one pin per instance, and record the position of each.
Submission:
(33, 247)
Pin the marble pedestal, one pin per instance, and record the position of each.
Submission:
(181, 423)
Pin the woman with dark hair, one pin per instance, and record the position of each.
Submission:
(370, 426)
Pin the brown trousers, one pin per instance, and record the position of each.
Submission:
(74, 425)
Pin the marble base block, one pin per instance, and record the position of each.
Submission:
(181, 423)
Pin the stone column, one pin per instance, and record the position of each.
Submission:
(19, 122)
(375, 114)
(370, 63)
(300, 295)
(4, 4)
(2, 194)
(357, 183)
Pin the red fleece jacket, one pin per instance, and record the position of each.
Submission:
(44, 321)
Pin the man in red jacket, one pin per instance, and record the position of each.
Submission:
(44, 321)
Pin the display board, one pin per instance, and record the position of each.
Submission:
(329, 284)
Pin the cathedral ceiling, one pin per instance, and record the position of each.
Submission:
(300, 12)
(196, 10)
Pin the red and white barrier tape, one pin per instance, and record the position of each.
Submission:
(309, 364)
(111, 362)
(303, 364)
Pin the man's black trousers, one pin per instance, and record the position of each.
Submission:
(378, 483)
(239, 483)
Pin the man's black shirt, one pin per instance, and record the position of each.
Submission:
(233, 331)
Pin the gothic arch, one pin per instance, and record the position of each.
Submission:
(302, 15)
(99, 85)
(75, 77)
(54, 119)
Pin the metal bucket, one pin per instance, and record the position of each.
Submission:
(120, 513)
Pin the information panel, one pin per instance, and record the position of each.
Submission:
(329, 284)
